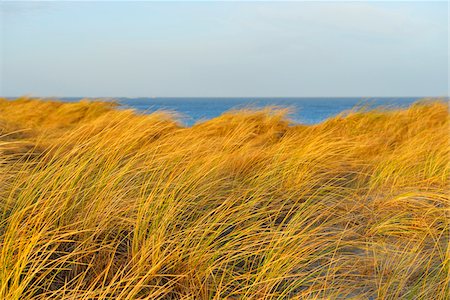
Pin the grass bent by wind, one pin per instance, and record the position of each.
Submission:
(105, 203)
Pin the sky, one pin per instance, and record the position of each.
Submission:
(224, 49)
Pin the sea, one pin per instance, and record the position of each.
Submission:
(303, 110)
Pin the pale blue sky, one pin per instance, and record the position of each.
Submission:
(224, 49)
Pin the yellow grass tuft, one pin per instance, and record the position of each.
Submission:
(101, 203)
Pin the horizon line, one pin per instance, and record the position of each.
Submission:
(217, 97)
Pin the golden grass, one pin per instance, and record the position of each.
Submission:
(100, 203)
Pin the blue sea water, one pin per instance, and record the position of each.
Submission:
(304, 110)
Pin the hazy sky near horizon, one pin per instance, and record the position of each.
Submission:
(225, 49)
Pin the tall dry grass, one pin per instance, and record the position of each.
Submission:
(100, 203)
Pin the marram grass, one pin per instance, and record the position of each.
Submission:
(101, 203)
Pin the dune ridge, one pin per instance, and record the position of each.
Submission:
(101, 203)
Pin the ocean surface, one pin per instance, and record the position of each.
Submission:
(304, 110)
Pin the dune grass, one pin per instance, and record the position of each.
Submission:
(101, 203)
